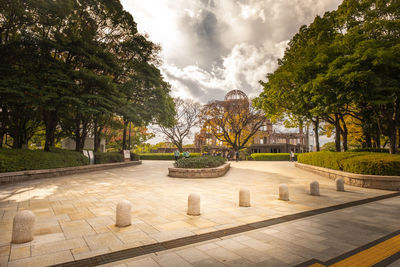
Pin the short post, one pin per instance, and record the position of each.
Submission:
(23, 226)
(123, 214)
(244, 198)
(193, 205)
(283, 192)
(339, 184)
(314, 188)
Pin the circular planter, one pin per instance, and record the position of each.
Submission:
(199, 173)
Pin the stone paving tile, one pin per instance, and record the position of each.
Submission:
(192, 255)
(171, 259)
(43, 260)
(83, 205)
(146, 262)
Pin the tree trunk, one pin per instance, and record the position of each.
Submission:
(96, 136)
(398, 146)
(392, 142)
(344, 133)
(316, 133)
(129, 138)
(124, 135)
(50, 121)
(337, 134)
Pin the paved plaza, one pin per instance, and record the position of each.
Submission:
(75, 216)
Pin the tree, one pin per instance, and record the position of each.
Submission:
(233, 121)
(186, 117)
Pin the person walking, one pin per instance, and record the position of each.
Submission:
(237, 155)
(176, 154)
(291, 155)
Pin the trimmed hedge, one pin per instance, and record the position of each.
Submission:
(272, 156)
(163, 156)
(369, 149)
(200, 162)
(107, 157)
(354, 162)
(12, 160)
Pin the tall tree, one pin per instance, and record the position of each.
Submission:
(186, 117)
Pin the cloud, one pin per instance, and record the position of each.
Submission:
(211, 47)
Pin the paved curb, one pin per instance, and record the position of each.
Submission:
(361, 180)
(15, 177)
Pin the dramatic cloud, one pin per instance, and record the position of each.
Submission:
(211, 47)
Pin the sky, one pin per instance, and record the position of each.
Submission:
(210, 47)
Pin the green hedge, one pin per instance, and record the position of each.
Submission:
(163, 156)
(354, 162)
(369, 149)
(107, 157)
(12, 160)
(200, 162)
(271, 156)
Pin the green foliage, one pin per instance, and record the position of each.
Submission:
(135, 156)
(200, 162)
(163, 156)
(12, 160)
(344, 63)
(354, 162)
(369, 149)
(329, 146)
(107, 157)
(271, 156)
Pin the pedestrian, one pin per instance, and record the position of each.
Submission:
(176, 154)
(237, 155)
(291, 155)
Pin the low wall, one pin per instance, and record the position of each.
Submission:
(15, 177)
(199, 173)
(360, 180)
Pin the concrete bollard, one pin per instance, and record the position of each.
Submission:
(23, 225)
(314, 188)
(283, 192)
(123, 214)
(244, 198)
(193, 205)
(339, 184)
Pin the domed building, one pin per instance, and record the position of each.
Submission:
(265, 140)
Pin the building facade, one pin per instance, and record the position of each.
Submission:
(266, 139)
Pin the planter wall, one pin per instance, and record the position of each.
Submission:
(14, 177)
(199, 173)
(360, 180)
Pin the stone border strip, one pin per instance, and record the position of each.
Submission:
(15, 177)
(385, 262)
(361, 180)
(199, 173)
(184, 241)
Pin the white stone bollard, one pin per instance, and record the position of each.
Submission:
(244, 198)
(339, 184)
(193, 205)
(23, 227)
(123, 214)
(283, 192)
(314, 188)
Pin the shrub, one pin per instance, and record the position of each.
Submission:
(12, 160)
(134, 156)
(163, 156)
(200, 162)
(355, 162)
(271, 156)
(373, 163)
(369, 149)
(107, 157)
